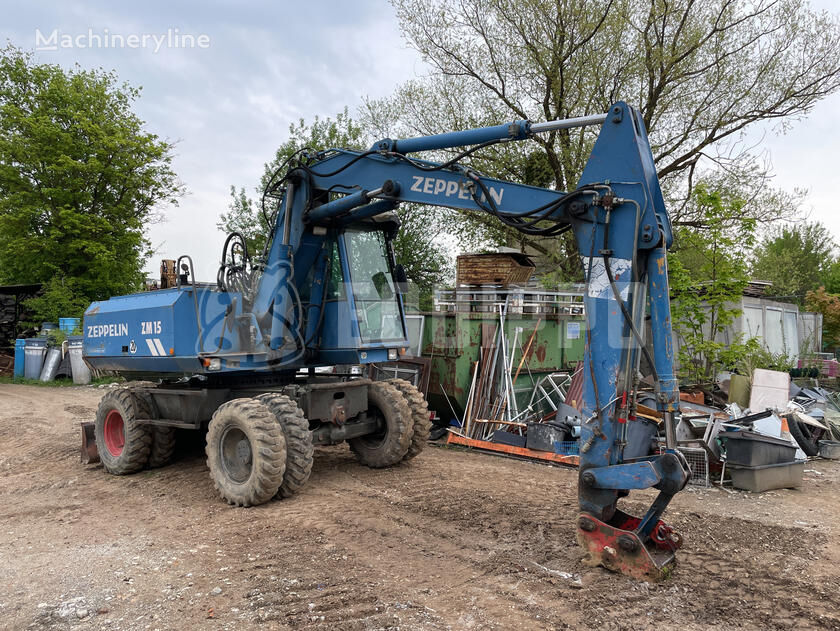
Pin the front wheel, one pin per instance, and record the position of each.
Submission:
(386, 446)
(419, 414)
(123, 444)
(246, 452)
(299, 449)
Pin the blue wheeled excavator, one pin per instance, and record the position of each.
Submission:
(240, 357)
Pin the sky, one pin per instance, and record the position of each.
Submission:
(227, 101)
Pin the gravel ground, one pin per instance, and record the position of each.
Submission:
(451, 540)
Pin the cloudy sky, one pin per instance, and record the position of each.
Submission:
(267, 64)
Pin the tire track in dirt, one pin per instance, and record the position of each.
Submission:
(449, 540)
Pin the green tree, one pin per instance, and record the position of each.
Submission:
(795, 258)
(416, 246)
(700, 72)
(80, 179)
(60, 298)
(828, 304)
(708, 273)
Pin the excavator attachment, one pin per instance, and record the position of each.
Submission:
(90, 454)
(618, 547)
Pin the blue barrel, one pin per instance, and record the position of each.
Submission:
(34, 351)
(46, 327)
(20, 356)
(68, 325)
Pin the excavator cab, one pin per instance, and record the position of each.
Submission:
(350, 291)
(378, 307)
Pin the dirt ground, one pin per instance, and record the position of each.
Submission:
(452, 540)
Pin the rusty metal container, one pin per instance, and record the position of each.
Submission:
(453, 341)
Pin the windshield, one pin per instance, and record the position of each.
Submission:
(377, 306)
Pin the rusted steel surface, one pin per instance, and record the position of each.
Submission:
(621, 550)
(89, 453)
(574, 395)
(455, 439)
(452, 341)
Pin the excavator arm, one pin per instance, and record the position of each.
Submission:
(619, 220)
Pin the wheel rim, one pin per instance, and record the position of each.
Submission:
(114, 431)
(235, 454)
(378, 437)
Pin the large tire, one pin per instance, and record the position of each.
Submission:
(419, 414)
(299, 448)
(163, 446)
(246, 452)
(163, 438)
(388, 446)
(122, 443)
(807, 436)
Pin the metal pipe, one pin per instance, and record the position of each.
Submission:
(517, 130)
(567, 123)
(287, 213)
(343, 206)
(670, 430)
(513, 131)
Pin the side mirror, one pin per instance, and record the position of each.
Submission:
(400, 278)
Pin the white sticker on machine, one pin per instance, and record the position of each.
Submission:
(599, 283)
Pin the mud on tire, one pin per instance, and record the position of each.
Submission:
(299, 448)
(246, 452)
(419, 414)
(390, 445)
(163, 438)
(163, 446)
(123, 444)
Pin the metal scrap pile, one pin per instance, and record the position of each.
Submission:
(758, 439)
(499, 415)
(762, 437)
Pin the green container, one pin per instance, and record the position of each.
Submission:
(452, 342)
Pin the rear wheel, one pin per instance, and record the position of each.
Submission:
(163, 446)
(390, 443)
(123, 444)
(246, 452)
(163, 438)
(419, 415)
(299, 449)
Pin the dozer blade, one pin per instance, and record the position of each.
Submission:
(623, 551)
(90, 454)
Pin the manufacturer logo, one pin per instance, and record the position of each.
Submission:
(448, 188)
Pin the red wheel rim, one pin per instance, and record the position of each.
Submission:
(114, 434)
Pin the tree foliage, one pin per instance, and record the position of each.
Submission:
(80, 178)
(828, 304)
(417, 246)
(795, 258)
(700, 72)
(708, 272)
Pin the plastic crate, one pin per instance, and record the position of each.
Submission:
(787, 475)
(749, 449)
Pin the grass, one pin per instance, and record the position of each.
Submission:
(57, 383)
